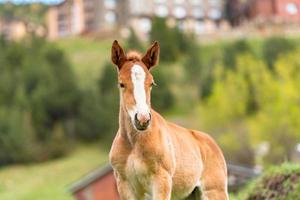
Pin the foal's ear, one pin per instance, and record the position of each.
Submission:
(117, 54)
(151, 57)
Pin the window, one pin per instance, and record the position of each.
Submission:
(110, 17)
(145, 25)
(110, 4)
(292, 8)
(160, 1)
(161, 11)
(198, 13)
(215, 13)
(178, 1)
(179, 12)
(214, 2)
(139, 6)
(199, 27)
(196, 2)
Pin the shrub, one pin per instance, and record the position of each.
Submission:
(281, 182)
(162, 96)
(109, 95)
(232, 50)
(274, 47)
(167, 39)
(133, 42)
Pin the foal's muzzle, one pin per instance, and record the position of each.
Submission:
(142, 121)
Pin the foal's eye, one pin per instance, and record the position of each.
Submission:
(122, 85)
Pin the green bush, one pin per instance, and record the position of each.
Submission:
(162, 99)
(281, 183)
(109, 94)
(274, 47)
(172, 41)
(255, 105)
(232, 50)
(134, 43)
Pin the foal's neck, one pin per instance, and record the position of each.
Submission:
(126, 128)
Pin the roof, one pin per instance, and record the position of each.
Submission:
(90, 178)
(242, 170)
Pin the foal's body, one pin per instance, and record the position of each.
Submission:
(152, 157)
(167, 160)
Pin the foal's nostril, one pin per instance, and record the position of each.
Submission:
(142, 121)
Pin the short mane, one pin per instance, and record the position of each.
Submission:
(134, 56)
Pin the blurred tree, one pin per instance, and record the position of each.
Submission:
(277, 121)
(162, 98)
(160, 32)
(273, 119)
(37, 91)
(109, 95)
(133, 42)
(232, 50)
(273, 47)
(91, 123)
(194, 67)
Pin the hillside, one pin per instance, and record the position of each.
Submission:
(87, 57)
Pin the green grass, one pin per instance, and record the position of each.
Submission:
(87, 57)
(49, 180)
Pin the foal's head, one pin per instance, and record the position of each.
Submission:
(135, 82)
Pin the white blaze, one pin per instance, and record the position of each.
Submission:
(138, 76)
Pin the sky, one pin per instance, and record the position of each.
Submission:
(30, 1)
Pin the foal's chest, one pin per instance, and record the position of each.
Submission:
(138, 172)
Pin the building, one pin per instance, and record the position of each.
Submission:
(13, 29)
(100, 184)
(74, 17)
(286, 11)
(197, 16)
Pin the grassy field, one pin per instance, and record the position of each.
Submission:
(49, 180)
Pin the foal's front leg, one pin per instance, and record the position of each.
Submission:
(162, 185)
(124, 188)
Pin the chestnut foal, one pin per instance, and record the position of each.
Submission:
(153, 158)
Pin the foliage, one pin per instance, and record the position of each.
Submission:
(274, 47)
(89, 123)
(34, 12)
(257, 104)
(162, 96)
(37, 92)
(194, 67)
(281, 182)
(172, 41)
(109, 94)
(134, 43)
(232, 50)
